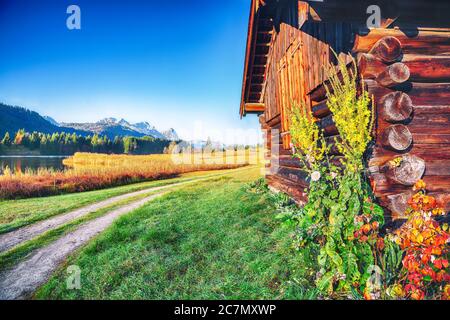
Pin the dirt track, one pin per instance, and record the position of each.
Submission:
(22, 280)
(16, 237)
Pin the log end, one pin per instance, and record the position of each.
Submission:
(407, 171)
(388, 49)
(396, 107)
(399, 72)
(397, 137)
(398, 204)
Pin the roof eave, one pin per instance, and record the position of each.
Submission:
(251, 24)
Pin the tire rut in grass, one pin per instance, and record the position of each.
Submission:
(22, 280)
(14, 238)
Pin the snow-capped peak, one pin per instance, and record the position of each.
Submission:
(171, 134)
(124, 123)
(108, 121)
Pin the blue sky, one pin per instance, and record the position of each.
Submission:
(171, 63)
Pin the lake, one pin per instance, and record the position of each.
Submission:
(21, 163)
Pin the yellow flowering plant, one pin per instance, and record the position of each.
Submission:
(340, 220)
(352, 111)
(306, 136)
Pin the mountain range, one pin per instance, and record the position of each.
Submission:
(112, 127)
(14, 118)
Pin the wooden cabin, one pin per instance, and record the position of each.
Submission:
(404, 62)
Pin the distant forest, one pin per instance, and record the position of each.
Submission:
(69, 143)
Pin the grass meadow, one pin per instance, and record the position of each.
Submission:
(22, 212)
(210, 240)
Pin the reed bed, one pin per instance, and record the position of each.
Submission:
(88, 171)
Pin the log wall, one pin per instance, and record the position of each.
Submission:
(297, 56)
(408, 74)
(412, 102)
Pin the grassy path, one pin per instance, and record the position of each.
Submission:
(15, 214)
(22, 280)
(208, 240)
(21, 235)
(21, 251)
(63, 234)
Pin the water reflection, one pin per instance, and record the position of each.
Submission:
(20, 164)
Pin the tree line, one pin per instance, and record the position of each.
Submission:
(63, 143)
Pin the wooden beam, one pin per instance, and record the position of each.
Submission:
(423, 68)
(254, 107)
(413, 41)
(387, 49)
(421, 94)
(320, 109)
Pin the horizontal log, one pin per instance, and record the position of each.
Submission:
(321, 109)
(370, 66)
(262, 119)
(319, 93)
(331, 142)
(428, 68)
(410, 170)
(443, 200)
(262, 122)
(292, 189)
(397, 203)
(420, 93)
(423, 123)
(274, 122)
(433, 168)
(431, 123)
(287, 161)
(438, 168)
(292, 174)
(413, 41)
(425, 138)
(422, 68)
(281, 151)
(393, 75)
(254, 107)
(428, 152)
(384, 186)
(434, 109)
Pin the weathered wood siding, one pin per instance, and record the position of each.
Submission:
(408, 76)
(298, 55)
(425, 128)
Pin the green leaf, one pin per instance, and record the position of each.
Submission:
(334, 194)
(330, 249)
(325, 283)
(322, 258)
